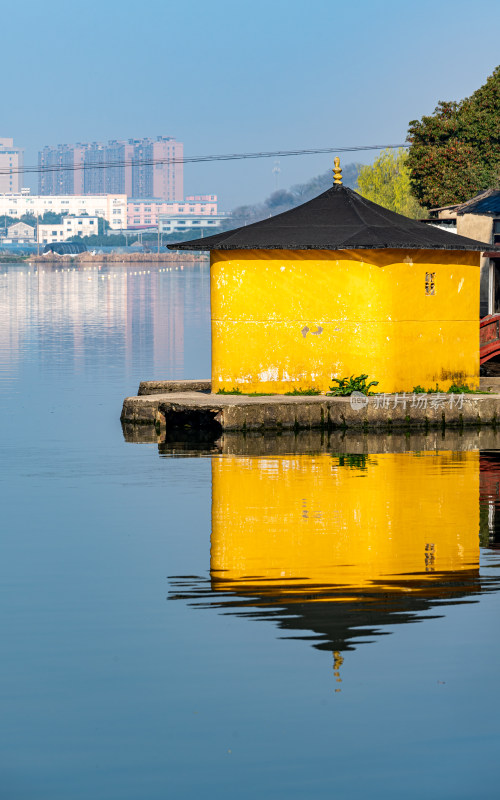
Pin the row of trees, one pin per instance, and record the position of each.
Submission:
(49, 218)
(453, 154)
(285, 199)
(149, 240)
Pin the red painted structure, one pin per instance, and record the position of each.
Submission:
(489, 327)
(489, 337)
(489, 476)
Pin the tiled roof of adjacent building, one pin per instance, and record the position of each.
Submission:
(487, 202)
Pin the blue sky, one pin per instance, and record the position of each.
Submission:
(239, 76)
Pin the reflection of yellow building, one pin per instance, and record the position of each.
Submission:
(323, 526)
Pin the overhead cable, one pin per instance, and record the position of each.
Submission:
(195, 159)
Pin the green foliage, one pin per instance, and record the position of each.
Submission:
(460, 388)
(115, 240)
(353, 460)
(387, 182)
(235, 390)
(102, 226)
(303, 392)
(346, 386)
(51, 218)
(454, 152)
(285, 199)
(455, 388)
(28, 219)
(421, 390)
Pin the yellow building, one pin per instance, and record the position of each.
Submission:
(340, 286)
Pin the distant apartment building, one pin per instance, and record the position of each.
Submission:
(67, 229)
(111, 207)
(146, 211)
(135, 167)
(11, 165)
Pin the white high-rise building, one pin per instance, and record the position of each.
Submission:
(11, 165)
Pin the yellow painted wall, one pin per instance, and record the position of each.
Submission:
(296, 319)
(312, 523)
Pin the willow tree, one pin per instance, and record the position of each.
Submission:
(387, 182)
(454, 153)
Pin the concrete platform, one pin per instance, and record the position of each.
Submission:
(178, 404)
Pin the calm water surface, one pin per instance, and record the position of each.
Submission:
(229, 620)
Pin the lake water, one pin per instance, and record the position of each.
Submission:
(303, 617)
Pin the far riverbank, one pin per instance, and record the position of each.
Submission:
(116, 258)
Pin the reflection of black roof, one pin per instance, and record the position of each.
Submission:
(338, 219)
(65, 248)
(336, 617)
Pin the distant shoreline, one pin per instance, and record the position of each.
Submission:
(8, 258)
(110, 258)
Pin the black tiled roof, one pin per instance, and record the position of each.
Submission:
(338, 219)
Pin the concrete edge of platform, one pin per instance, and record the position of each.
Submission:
(203, 411)
(169, 387)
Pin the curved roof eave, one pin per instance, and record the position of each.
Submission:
(338, 219)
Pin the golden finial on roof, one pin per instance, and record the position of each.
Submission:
(337, 171)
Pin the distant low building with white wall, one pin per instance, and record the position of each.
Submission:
(67, 229)
(19, 233)
(146, 211)
(11, 166)
(171, 223)
(111, 207)
(48, 234)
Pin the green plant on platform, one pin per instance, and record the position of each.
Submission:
(235, 390)
(346, 386)
(420, 390)
(460, 388)
(303, 392)
(455, 388)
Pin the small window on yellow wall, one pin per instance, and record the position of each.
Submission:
(430, 283)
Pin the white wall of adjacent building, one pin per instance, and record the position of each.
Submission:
(112, 207)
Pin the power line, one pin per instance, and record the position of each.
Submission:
(197, 159)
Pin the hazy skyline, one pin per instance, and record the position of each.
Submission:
(243, 77)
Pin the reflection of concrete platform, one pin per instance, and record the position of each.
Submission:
(189, 404)
(190, 443)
